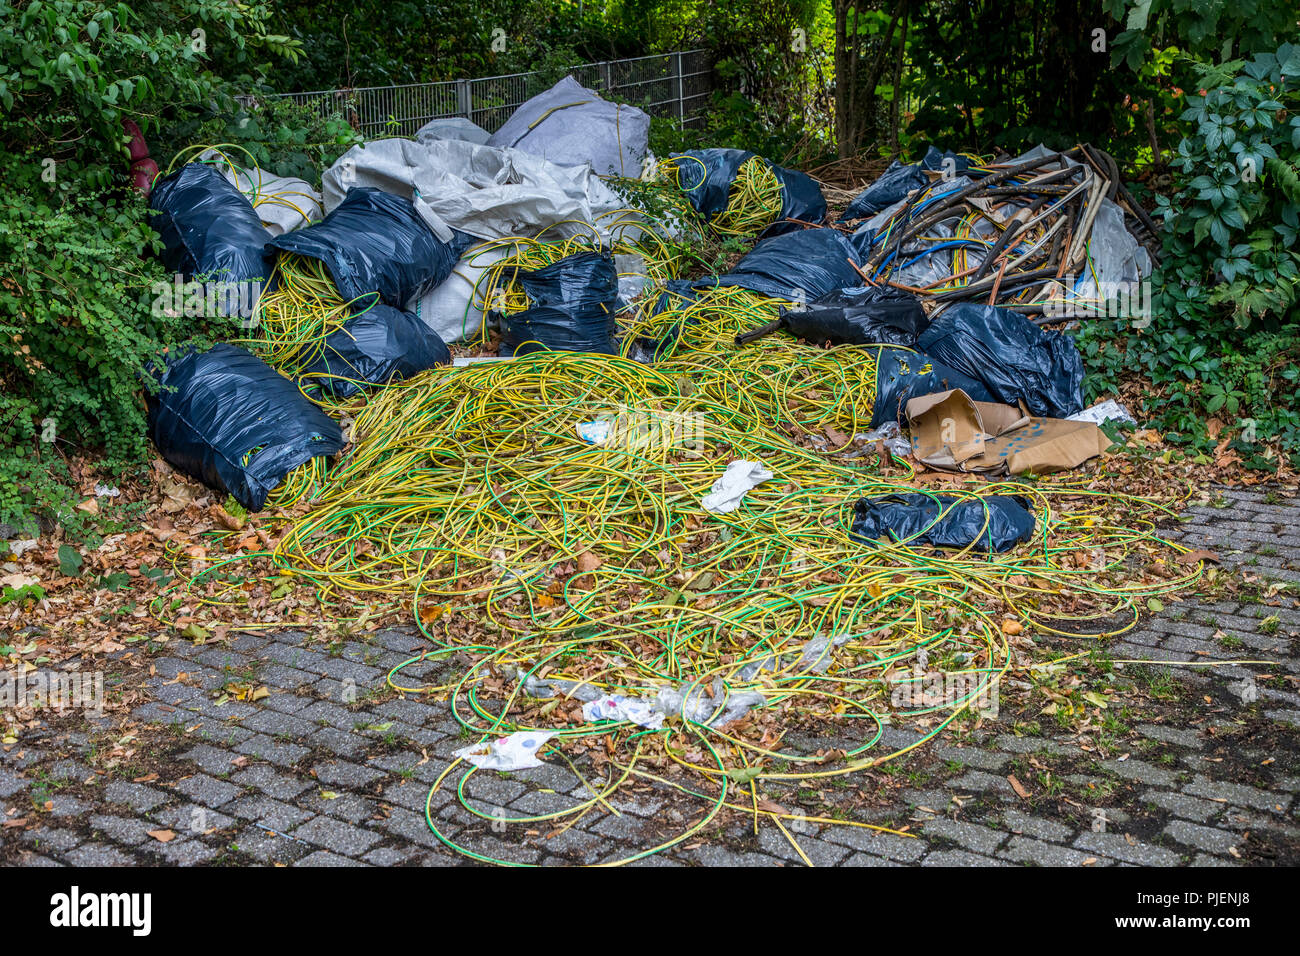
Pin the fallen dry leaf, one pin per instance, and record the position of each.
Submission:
(1018, 787)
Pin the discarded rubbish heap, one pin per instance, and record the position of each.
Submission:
(1041, 229)
(674, 517)
(604, 577)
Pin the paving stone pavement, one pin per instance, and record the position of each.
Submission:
(334, 769)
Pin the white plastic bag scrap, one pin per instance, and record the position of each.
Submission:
(21, 545)
(713, 706)
(617, 707)
(898, 444)
(729, 491)
(571, 125)
(518, 751)
(283, 203)
(535, 686)
(594, 432)
(1107, 411)
(814, 657)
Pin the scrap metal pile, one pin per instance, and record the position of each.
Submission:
(1046, 228)
(640, 547)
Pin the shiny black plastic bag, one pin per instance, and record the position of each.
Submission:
(572, 310)
(373, 242)
(993, 524)
(800, 266)
(209, 229)
(894, 184)
(379, 346)
(707, 184)
(1014, 358)
(902, 375)
(898, 180)
(214, 407)
(866, 315)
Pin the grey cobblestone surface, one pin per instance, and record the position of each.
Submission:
(309, 776)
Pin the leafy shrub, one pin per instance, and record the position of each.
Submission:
(76, 265)
(279, 135)
(1233, 225)
(1225, 333)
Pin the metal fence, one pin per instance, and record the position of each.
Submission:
(675, 85)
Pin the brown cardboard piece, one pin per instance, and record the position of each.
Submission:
(952, 433)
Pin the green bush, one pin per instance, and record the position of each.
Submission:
(1225, 330)
(1232, 227)
(277, 135)
(77, 327)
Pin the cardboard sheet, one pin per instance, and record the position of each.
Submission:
(951, 432)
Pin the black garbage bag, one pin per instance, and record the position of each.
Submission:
(898, 180)
(379, 346)
(374, 241)
(902, 375)
(996, 523)
(211, 232)
(1014, 358)
(573, 306)
(866, 315)
(936, 160)
(800, 266)
(801, 199)
(213, 408)
(894, 184)
(707, 184)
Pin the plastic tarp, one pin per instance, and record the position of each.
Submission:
(572, 307)
(450, 308)
(376, 242)
(902, 375)
(452, 127)
(865, 315)
(1118, 258)
(1014, 358)
(571, 125)
(799, 266)
(996, 523)
(707, 184)
(208, 228)
(215, 407)
(379, 346)
(484, 191)
(283, 203)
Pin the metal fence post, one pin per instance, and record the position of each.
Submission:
(680, 88)
(607, 76)
(464, 99)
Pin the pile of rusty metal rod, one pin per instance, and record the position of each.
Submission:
(1006, 234)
